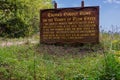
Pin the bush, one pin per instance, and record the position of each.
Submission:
(116, 45)
(112, 68)
(20, 18)
(15, 28)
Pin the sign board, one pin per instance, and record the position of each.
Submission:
(70, 25)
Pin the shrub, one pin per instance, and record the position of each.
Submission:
(116, 45)
(112, 68)
(19, 18)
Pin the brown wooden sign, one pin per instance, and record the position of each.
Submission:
(70, 25)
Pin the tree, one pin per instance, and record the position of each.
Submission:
(19, 17)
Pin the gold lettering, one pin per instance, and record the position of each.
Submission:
(93, 34)
(60, 19)
(89, 18)
(69, 19)
(70, 13)
(54, 14)
(50, 20)
(44, 20)
(77, 19)
(85, 13)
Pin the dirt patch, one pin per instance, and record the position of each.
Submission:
(63, 50)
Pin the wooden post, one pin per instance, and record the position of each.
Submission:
(55, 5)
(82, 3)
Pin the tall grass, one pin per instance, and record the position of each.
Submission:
(18, 64)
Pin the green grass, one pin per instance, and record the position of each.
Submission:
(49, 62)
(17, 62)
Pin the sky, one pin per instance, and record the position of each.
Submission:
(109, 10)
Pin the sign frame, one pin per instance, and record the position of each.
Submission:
(70, 41)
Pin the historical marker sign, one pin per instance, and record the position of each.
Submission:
(70, 25)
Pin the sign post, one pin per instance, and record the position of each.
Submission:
(82, 4)
(70, 25)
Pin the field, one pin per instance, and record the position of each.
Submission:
(34, 61)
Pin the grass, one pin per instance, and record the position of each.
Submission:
(18, 63)
(49, 62)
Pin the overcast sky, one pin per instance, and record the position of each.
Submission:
(109, 10)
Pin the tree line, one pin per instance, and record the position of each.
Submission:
(20, 18)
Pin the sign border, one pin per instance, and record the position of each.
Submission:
(67, 42)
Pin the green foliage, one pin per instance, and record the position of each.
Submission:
(116, 45)
(112, 68)
(18, 16)
(29, 62)
(17, 62)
